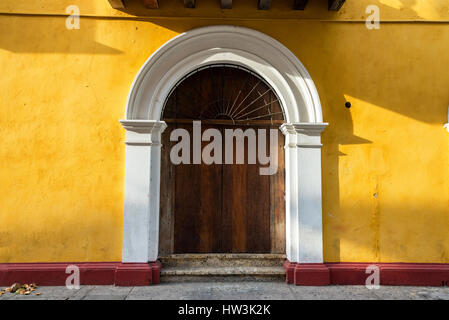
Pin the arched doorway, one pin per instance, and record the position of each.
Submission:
(223, 207)
(284, 73)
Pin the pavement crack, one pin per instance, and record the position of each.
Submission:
(129, 292)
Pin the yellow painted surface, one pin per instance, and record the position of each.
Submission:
(385, 160)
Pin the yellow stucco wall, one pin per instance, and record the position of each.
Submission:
(62, 92)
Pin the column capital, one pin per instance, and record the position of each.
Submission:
(303, 134)
(307, 128)
(143, 132)
(144, 126)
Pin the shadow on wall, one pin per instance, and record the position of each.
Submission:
(49, 34)
(283, 9)
(40, 34)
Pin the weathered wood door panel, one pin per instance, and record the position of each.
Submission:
(246, 206)
(197, 206)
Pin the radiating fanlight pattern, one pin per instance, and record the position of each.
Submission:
(223, 92)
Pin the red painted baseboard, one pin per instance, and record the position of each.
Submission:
(91, 273)
(399, 274)
(139, 274)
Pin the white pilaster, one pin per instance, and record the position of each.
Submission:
(142, 184)
(304, 227)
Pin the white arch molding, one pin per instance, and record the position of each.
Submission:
(299, 98)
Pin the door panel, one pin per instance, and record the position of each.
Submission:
(247, 206)
(197, 206)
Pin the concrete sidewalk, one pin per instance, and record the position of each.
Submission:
(233, 291)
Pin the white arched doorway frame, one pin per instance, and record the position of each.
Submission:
(299, 98)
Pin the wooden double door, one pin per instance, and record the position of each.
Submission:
(223, 208)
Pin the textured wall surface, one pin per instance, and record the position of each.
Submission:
(62, 92)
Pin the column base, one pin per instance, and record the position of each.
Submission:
(307, 274)
(137, 274)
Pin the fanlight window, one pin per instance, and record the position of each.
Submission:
(223, 93)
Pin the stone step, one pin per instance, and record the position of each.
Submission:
(239, 273)
(222, 260)
(222, 267)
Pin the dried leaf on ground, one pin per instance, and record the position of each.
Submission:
(18, 288)
(15, 287)
(21, 291)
